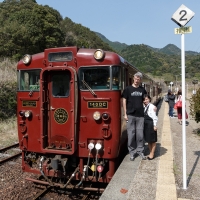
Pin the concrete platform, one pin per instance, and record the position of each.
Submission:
(138, 180)
(118, 187)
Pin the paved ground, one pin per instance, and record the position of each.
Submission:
(192, 158)
(161, 178)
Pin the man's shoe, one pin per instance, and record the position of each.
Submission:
(132, 158)
(143, 156)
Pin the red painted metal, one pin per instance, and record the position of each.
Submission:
(60, 129)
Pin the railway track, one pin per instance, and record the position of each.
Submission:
(55, 191)
(8, 153)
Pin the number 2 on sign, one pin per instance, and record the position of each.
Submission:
(184, 14)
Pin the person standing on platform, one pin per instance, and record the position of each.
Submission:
(171, 98)
(134, 115)
(179, 109)
(150, 128)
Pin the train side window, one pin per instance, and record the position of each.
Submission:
(60, 84)
(28, 80)
(116, 78)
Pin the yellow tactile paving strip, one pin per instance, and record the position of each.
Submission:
(166, 187)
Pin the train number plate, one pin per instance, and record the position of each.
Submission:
(97, 104)
(29, 103)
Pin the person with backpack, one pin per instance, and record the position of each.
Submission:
(171, 102)
(179, 109)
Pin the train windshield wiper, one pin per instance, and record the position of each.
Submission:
(89, 88)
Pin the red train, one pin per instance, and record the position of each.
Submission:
(69, 113)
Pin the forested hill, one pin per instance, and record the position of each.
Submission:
(169, 49)
(163, 62)
(115, 45)
(27, 27)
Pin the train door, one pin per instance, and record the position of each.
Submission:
(62, 109)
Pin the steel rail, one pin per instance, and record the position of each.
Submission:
(9, 147)
(43, 192)
(10, 158)
(60, 185)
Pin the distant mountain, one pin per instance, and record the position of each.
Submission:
(172, 49)
(157, 61)
(115, 45)
(169, 49)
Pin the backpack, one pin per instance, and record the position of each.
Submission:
(166, 98)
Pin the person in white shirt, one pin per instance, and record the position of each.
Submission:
(150, 128)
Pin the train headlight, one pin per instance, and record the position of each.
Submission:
(99, 54)
(98, 146)
(27, 113)
(96, 115)
(26, 59)
(90, 146)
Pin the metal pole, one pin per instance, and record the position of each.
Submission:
(183, 111)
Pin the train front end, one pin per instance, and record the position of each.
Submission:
(69, 114)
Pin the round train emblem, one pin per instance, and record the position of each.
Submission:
(60, 115)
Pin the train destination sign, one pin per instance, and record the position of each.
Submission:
(29, 104)
(182, 16)
(183, 30)
(97, 104)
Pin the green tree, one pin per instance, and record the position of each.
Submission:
(27, 27)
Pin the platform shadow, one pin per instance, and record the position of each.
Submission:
(160, 151)
(194, 166)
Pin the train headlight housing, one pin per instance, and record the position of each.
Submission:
(105, 116)
(27, 113)
(99, 54)
(26, 59)
(21, 113)
(96, 115)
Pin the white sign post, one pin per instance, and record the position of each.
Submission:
(181, 17)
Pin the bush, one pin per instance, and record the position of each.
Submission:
(195, 106)
(8, 99)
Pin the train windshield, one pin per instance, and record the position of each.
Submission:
(96, 77)
(28, 80)
(100, 78)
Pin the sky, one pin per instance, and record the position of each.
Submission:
(133, 21)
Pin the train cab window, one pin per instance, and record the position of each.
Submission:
(60, 84)
(116, 78)
(28, 80)
(97, 78)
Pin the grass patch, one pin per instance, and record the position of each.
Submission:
(175, 169)
(196, 131)
(8, 132)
